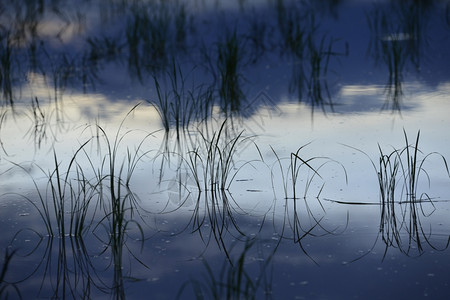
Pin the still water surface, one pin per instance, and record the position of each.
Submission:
(225, 149)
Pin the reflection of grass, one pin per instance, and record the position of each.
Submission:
(66, 266)
(65, 204)
(179, 106)
(216, 218)
(405, 166)
(301, 169)
(70, 272)
(6, 53)
(47, 122)
(77, 199)
(4, 285)
(401, 202)
(257, 37)
(398, 40)
(113, 184)
(154, 32)
(237, 278)
(311, 52)
(229, 61)
(3, 120)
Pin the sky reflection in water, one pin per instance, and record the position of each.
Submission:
(192, 192)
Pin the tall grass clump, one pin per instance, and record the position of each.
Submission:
(405, 167)
(300, 169)
(212, 165)
(213, 160)
(64, 204)
(300, 216)
(114, 176)
(121, 209)
(90, 195)
(74, 194)
(401, 177)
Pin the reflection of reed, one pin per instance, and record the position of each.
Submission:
(62, 265)
(402, 212)
(214, 216)
(238, 278)
(118, 230)
(300, 220)
(24, 48)
(68, 214)
(311, 52)
(5, 286)
(66, 270)
(154, 32)
(229, 62)
(210, 168)
(401, 226)
(47, 122)
(180, 106)
(398, 39)
(402, 205)
(150, 37)
(6, 68)
(72, 273)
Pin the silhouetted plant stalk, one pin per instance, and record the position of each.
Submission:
(46, 122)
(212, 162)
(302, 221)
(299, 167)
(63, 211)
(118, 175)
(402, 203)
(119, 203)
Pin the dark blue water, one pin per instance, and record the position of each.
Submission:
(199, 192)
